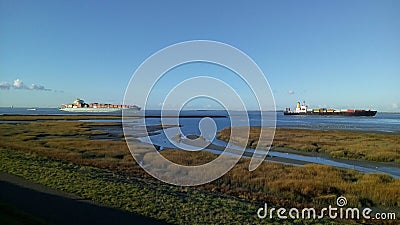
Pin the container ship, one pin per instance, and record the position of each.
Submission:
(80, 106)
(303, 110)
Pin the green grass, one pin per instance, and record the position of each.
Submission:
(63, 155)
(312, 184)
(377, 147)
(272, 182)
(164, 202)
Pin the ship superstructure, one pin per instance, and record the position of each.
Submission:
(302, 109)
(79, 105)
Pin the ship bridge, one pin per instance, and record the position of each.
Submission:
(301, 108)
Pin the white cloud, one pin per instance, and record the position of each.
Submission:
(18, 84)
(395, 106)
(5, 85)
(38, 87)
(291, 92)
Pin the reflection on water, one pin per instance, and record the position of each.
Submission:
(289, 158)
(382, 122)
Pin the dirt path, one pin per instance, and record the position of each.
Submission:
(57, 207)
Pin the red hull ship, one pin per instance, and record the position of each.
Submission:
(303, 110)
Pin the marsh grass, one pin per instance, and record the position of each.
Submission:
(172, 204)
(52, 145)
(377, 147)
(54, 117)
(311, 184)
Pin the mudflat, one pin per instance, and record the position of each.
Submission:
(378, 147)
(69, 156)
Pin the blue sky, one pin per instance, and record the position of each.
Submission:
(342, 54)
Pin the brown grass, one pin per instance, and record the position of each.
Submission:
(310, 184)
(378, 147)
(273, 183)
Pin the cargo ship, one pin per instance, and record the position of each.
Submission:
(303, 110)
(80, 106)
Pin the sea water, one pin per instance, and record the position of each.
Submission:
(382, 122)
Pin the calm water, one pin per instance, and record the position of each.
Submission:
(382, 122)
